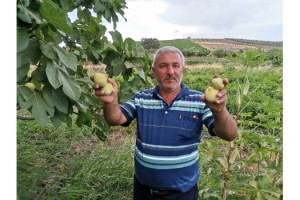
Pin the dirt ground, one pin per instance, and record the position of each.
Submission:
(215, 44)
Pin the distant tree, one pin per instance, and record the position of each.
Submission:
(149, 43)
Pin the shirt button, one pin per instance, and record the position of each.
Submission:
(166, 112)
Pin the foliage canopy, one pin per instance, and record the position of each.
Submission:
(52, 51)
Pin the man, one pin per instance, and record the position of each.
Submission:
(170, 118)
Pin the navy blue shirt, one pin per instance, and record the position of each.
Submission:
(166, 151)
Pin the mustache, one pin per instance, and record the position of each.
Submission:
(170, 78)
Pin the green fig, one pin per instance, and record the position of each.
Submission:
(31, 86)
(108, 89)
(211, 94)
(100, 79)
(217, 83)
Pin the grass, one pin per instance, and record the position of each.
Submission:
(180, 44)
(70, 163)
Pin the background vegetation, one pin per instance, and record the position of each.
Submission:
(71, 163)
(69, 152)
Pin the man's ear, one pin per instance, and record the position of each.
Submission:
(153, 69)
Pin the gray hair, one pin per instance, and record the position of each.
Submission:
(168, 49)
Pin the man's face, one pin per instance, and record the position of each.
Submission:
(168, 71)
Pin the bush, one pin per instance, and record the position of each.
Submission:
(275, 56)
(195, 52)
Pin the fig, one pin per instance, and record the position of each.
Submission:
(100, 79)
(217, 83)
(108, 89)
(211, 94)
(31, 86)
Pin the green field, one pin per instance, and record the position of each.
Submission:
(71, 163)
(179, 43)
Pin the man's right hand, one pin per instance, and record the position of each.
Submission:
(100, 94)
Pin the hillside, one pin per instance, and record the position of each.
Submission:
(236, 44)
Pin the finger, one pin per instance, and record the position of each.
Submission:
(112, 81)
(222, 93)
(202, 97)
(225, 81)
(99, 92)
(92, 77)
(96, 86)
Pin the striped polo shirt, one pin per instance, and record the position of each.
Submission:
(166, 151)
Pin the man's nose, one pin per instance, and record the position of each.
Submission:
(170, 69)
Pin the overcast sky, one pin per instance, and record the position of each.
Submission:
(173, 19)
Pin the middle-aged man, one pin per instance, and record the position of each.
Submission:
(170, 119)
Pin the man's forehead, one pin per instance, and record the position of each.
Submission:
(170, 57)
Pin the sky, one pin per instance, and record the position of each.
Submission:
(178, 19)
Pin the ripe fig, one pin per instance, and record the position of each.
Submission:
(217, 83)
(31, 86)
(211, 94)
(100, 79)
(108, 89)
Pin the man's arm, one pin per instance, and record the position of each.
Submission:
(225, 126)
(112, 112)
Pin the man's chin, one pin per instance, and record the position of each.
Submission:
(170, 87)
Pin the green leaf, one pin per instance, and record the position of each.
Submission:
(35, 14)
(117, 39)
(129, 47)
(49, 52)
(33, 52)
(246, 86)
(128, 65)
(22, 72)
(23, 14)
(107, 15)
(141, 73)
(223, 162)
(83, 118)
(55, 16)
(58, 76)
(235, 154)
(22, 39)
(60, 101)
(40, 109)
(34, 100)
(67, 58)
(47, 95)
(238, 96)
(22, 59)
(39, 74)
(117, 67)
(59, 117)
(52, 72)
(99, 7)
(70, 87)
